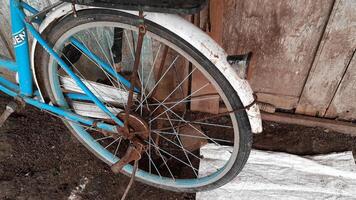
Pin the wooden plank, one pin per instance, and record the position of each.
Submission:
(343, 105)
(209, 102)
(92, 110)
(334, 54)
(216, 14)
(5, 40)
(338, 126)
(283, 34)
(105, 92)
(283, 101)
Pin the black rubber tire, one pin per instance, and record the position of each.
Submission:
(57, 29)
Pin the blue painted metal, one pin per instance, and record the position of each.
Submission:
(70, 115)
(14, 87)
(8, 91)
(102, 63)
(20, 42)
(10, 85)
(77, 96)
(8, 64)
(29, 8)
(12, 90)
(68, 70)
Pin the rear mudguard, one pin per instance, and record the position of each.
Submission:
(187, 31)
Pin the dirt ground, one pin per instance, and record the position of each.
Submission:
(39, 160)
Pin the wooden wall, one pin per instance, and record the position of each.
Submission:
(304, 51)
(331, 72)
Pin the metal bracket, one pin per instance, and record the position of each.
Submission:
(74, 9)
(240, 63)
(41, 15)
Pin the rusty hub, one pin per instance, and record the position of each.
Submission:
(137, 133)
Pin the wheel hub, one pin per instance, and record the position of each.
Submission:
(137, 133)
(137, 127)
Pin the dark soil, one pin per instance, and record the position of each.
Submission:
(302, 140)
(40, 159)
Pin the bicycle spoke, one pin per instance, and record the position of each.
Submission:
(165, 152)
(179, 102)
(101, 48)
(86, 82)
(175, 89)
(181, 145)
(113, 142)
(192, 136)
(161, 78)
(110, 77)
(186, 151)
(201, 123)
(165, 162)
(103, 138)
(117, 147)
(187, 122)
(153, 66)
(154, 165)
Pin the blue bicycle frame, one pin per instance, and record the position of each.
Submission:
(25, 90)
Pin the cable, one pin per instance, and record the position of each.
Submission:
(133, 175)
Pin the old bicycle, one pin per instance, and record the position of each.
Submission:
(120, 73)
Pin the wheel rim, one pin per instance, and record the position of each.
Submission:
(106, 155)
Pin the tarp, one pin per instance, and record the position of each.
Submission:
(273, 175)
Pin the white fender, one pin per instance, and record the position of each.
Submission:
(196, 37)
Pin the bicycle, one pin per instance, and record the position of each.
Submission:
(108, 74)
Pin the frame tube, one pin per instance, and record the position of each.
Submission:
(21, 16)
(8, 84)
(9, 65)
(20, 42)
(100, 62)
(7, 87)
(29, 8)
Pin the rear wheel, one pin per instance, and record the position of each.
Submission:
(168, 105)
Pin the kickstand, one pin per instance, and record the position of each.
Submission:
(131, 181)
(11, 107)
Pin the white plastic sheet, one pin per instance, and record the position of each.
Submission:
(271, 175)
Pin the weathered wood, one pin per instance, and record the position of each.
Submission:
(209, 102)
(5, 40)
(334, 54)
(343, 105)
(283, 34)
(338, 126)
(107, 93)
(92, 110)
(283, 101)
(216, 13)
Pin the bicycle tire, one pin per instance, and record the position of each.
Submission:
(88, 16)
